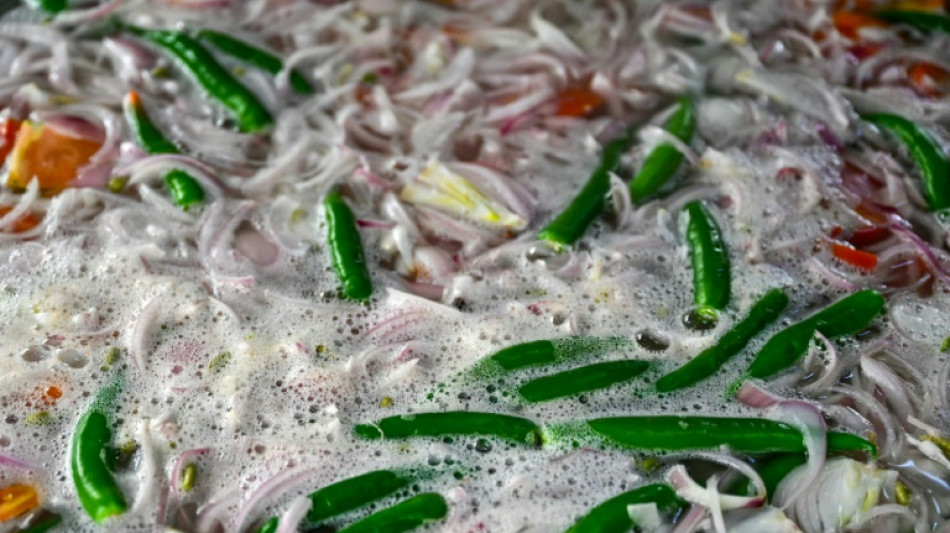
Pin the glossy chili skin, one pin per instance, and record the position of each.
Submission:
(611, 516)
(548, 351)
(512, 428)
(926, 153)
(765, 311)
(253, 55)
(923, 20)
(346, 495)
(749, 435)
(184, 189)
(573, 222)
(346, 248)
(709, 255)
(847, 316)
(580, 380)
(664, 160)
(96, 487)
(50, 6)
(250, 113)
(406, 515)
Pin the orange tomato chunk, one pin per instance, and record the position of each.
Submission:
(858, 258)
(849, 23)
(16, 500)
(52, 157)
(578, 102)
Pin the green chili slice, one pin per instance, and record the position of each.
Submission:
(926, 153)
(506, 427)
(96, 488)
(847, 316)
(712, 283)
(346, 249)
(579, 380)
(774, 470)
(404, 516)
(749, 435)
(664, 160)
(250, 113)
(765, 311)
(256, 56)
(611, 516)
(590, 202)
(919, 19)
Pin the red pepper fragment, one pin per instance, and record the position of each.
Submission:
(578, 102)
(10, 128)
(850, 23)
(868, 235)
(853, 256)
(927, 78)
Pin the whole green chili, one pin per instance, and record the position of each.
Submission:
(765, 311)
(183, 188)
(926, 153)
(579, 380)
(847, 316)
(404, 516)
(664, 160)
(346, 249)
(96, 488)
(253, 55)
(251, 115)
(919, 19)
(611, 516)
(712, 284)
(506, 427)
(545, 352)
(749, 435)
(571, 224)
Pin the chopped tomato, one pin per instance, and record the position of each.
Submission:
(868, 235)
(52, 157)
(836, 232)
(871, 213)
(850, 23)
(16, 500)
(853, 256)
(578, 102)
(927, 78)
(10, 128)
(26, 222)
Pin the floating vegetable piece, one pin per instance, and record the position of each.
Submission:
(664, 160)
(8, 135)
(183, 188)
(406, 515)
(258, 57)
(580, 380)
(507, 427)
(50, 6)
(346, 248)
(612, 516)
(16, 500)
(712, 283)
(571, 224)
(41, 522)
(924, 20)
(750, 435)
(544, 352)
(853, 256)
(774, 470)
(437, 186)
(96, 488)
(52, 156)
(578, 102)
(765, 311)
(926, 153)
(26, 222)
(250, 113)
(847, 316)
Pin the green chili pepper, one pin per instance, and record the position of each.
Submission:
(251, 115)
(847, 316)
(41, 523)
(346, 249)
(611, 516)
(507, 427)
(571, 224)
(774, 470)
(664, 160)
(98, 492)
(258, 57)
(710, 259)
(926, 153)
(184, 189)
(749, 435)
(347, 495)
(50, 6)
(580, 380)
(764, 312)
(270, 526)
(545, 352)
(919, 19)
(404, 516)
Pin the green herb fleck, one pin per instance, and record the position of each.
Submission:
(40, 418)
(221, 360)
(188, 476)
